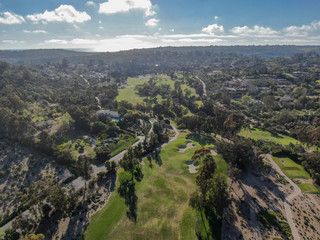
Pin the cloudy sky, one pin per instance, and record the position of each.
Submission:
(112, 25)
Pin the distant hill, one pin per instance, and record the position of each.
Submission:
(38, 55)
(54, 55)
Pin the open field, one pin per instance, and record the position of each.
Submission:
(291, 169)
(128, 93)
(308, 188)
(258, 134)
(163, 210)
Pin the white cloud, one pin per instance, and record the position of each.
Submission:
(101, 28)
(257, 31)
(56, 41)
(216, 17)
(304, 30)
(171, 30)
(213, 28)
(91, 3)
(152, 22)
(11, 18)
(12, 41)
(117, 6)
(80, 41)
(35, 31)
(64, 13)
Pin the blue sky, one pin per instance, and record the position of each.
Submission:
(112, 25)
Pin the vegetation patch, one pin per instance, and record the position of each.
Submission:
(271, 219)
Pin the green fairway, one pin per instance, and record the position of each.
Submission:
(257, 134)
(308, 188)
(163, 210)
(128, 93)
(291, 169)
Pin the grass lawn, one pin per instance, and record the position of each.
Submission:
(128, 93)
(308, 188)
(163, 210)
(257, 134)
(291, 169)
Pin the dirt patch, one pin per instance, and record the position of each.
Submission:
(306, 216)
(301, 180)
(192, 167)
(185, 148)
(252, 194)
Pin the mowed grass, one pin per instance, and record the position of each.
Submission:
(308, 188)
(128, 93)
(163, 201)
(258, 134)
(291, 169)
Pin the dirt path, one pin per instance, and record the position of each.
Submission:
(204, 86)
(288, 199)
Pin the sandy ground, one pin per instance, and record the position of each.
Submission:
(252, 194)
(306, 214)
(269, 191)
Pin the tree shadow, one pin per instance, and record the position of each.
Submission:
(215, 224)
(80, 218)
(201, 139)
(138, 175)
(155, 156)
(127, 191)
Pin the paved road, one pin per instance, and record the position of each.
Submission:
(204, 86)
(288, 199)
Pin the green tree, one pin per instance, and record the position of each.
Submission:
(218, 194)
(111, 166)
(33, 236)
(84, 169)
(129, 162)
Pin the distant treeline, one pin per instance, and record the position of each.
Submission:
(54, 55)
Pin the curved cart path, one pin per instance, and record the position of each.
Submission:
(204, 86)
(288, 199)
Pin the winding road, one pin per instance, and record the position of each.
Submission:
(288, 199)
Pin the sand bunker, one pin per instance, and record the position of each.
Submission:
(192, 167)
(184, 148)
